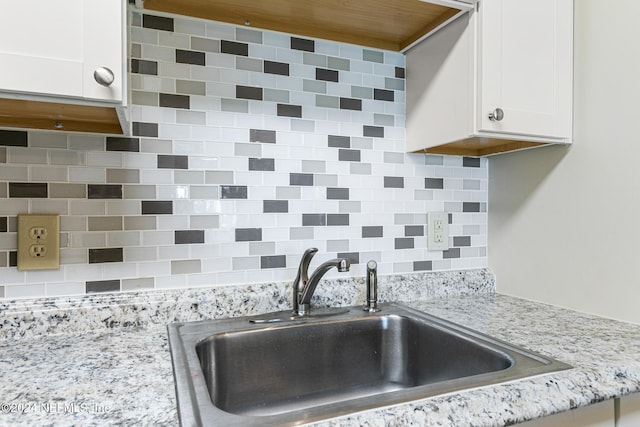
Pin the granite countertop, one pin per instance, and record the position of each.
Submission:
(119, 372)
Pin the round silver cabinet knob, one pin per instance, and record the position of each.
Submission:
(496, 115)
(104, 76)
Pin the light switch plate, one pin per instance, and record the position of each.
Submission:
(438, 231)
(38, 242)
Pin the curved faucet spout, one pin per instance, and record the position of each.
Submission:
(302, 277)
(304, 301)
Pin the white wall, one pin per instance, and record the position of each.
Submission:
(565, 221)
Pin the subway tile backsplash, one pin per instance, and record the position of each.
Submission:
(248, 147)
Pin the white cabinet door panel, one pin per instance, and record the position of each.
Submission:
(526, 52)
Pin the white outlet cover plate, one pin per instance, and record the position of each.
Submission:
(438, 231)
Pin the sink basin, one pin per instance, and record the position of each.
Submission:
(283, 370)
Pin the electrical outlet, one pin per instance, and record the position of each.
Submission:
(438, 231)
(38, 242)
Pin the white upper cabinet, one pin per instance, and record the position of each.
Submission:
(53, 48)
(498, 79)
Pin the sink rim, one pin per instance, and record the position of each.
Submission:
(193, 396)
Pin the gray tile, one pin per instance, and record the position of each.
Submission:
(413, 230)
(339, 141)
(372, 231)
(338, 63)
(276, 95)
(422, 265)
(174, 101)
(102, 286)
(350, 104)
(337, 194)
(191, 87)
(204, 221)
(67, 191)
(373, 131)
(383, 119)
(249, 92)
(400, 73)
(314, 86)
(172, 162)
(3, 190)
(205, 45)
(139, 66)
(235, 105)
(394, 84)
(247, 35)
(338, 219)
(123, 175)
(289, 193)
(362, 92)
(404, 243)
(360, 168)
(314, 166)
(233, 192)
(301, 233)
(157, 207)
(248, 234)
(451, 253)
(280, 68)
(145, 129)
(3, 224)
(186, 266)
(28, 189)
(327, 101)
(104, 191)
(471, 162)
(122, 144)
(434, 183)
(393, 182)
(345, 155)
(314, 59)
(471, 184)
(273, 261)
(248, 64)
(104, 223)
(346, 206)
(262, 135)
(47, 140)
(462, 241)
(434, 160)
(262, 164)
(247, 150)
(275, 206)
(326, 180)
(372, 56)
(391, 157)
(327, 75)
(288, 110)
(234, 48)
(245, 263)
(218, 177)
(314, 219)
(300, 179)
(3, 155)
(157, 22)
(302, 44)
(337, 245)
(182, 237)
(104, 255)
(383, 95)
(470, 207)
(190, 57)
(144, 98)
(139, 222)
(303, 125)
(139, 192)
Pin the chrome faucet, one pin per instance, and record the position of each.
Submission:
(371, 303)
(304, 286)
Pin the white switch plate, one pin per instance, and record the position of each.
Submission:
(438, 231)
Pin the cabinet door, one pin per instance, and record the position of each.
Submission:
(52, 47)
(526, 66)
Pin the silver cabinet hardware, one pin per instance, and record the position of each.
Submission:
(496, 115)
(104, 76)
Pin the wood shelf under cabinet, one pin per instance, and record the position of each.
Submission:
(383, 24)
(59, 116)
(478, 146)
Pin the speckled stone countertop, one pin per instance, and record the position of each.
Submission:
(104, 360)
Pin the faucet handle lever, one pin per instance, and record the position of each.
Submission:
(302, 277)
(371, 304)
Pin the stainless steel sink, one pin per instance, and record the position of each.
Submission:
(283, 370)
